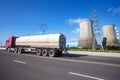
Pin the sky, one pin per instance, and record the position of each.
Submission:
(24, 17)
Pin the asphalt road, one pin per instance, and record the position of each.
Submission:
(67, 67)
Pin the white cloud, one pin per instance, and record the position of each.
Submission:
(75, 44)
(110, 9)
(114, 10)
(73, 40)
(77, 30)
(76, 21)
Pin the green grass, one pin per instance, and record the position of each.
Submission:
(78, 49)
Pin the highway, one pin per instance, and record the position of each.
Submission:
(68, 67)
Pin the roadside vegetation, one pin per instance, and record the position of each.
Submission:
(2, 46)
(106, 49)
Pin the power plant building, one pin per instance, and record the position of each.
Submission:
(109, 38)
(86, 34)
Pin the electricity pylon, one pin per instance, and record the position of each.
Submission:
(96, 32)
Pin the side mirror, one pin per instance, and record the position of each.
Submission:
(7, 41)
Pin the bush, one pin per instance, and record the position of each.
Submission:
(86, 48)
(111, 47)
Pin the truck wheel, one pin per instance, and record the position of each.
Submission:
(16, 50)
(19, 50)
(59, 53)
(44, 52)
(8, 49)
(38, 52)
(51, 53)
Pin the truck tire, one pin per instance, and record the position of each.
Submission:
(16, 50)
(59, 53)
(44, 52)
(38, 52)
(8, 49)
(19, 50)
(51, 53)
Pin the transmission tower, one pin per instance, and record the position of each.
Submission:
(117, 34)
(96, 32)
(43, 28)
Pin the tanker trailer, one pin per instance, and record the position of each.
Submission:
(45, 45)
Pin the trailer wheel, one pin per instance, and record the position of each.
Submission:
(16, 50)
(44, 52)
(52, 53)
(19, 50)
(38, 52)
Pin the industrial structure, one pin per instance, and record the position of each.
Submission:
(96, 32)
(117, 34)
(109, 38)
(86, 34)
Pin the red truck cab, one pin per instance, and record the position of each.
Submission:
(10, 43)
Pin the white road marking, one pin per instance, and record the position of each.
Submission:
(72, 73)
(72, 60)
(19, 61)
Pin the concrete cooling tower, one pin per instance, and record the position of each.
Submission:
(86, 33)
(110, 38)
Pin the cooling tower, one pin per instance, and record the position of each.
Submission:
(86, 34)
(110, 38)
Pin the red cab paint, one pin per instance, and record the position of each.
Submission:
(10, 43)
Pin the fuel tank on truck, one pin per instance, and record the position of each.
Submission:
(47, 41)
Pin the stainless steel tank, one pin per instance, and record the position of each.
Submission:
(46, 41)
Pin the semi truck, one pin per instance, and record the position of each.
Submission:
(46, 45)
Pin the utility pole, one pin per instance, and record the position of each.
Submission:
(96, 31)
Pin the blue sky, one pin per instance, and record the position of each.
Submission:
(24, 17)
